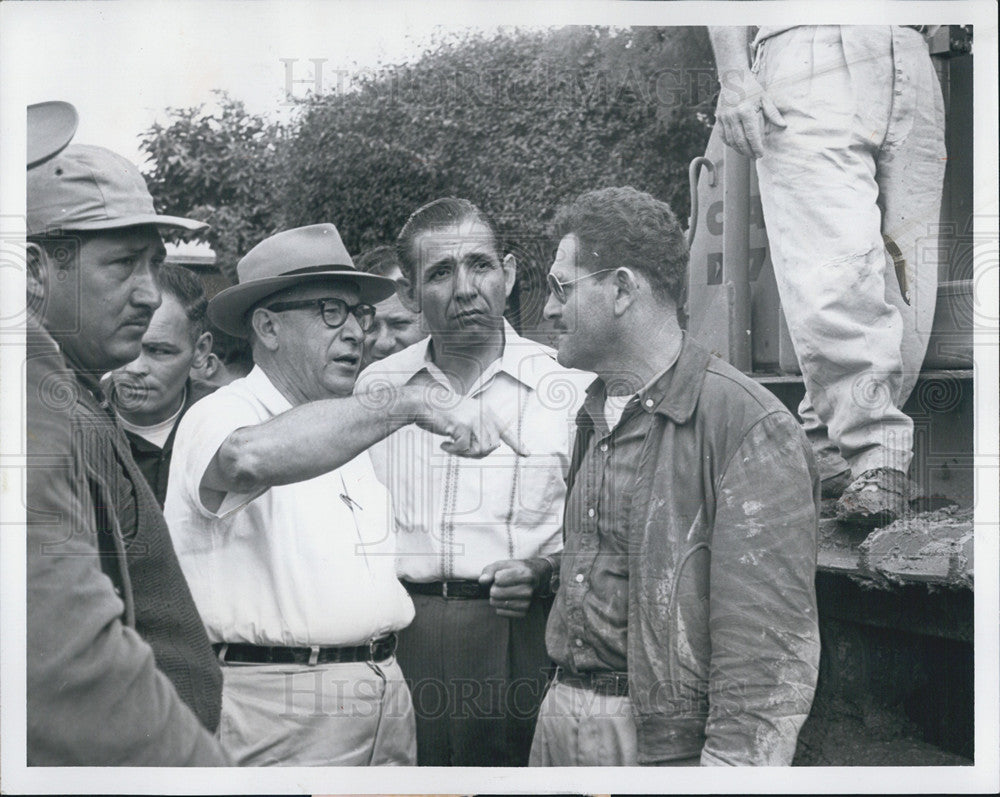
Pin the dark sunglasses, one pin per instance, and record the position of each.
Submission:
(334, 311)
(559, 288)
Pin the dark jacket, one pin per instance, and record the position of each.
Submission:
(154, 462)
(119, 670)
(723, 641)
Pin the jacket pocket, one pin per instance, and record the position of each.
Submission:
(689, 615)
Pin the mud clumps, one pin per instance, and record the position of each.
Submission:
(935, 548)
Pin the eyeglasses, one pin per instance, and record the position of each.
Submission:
(559, 288)
(334, 311)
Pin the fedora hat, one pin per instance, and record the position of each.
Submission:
(292, 257)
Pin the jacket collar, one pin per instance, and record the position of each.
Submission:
(674, 394)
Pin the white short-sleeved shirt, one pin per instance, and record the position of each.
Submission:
(456, 515)
(309, 563)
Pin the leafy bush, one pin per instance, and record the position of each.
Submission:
(518, 122)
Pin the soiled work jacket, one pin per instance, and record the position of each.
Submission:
(723, 642)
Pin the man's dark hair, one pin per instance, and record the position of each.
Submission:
(446, 212)
(625, 227)
(187, 288)
(381, 261)
(232, 351)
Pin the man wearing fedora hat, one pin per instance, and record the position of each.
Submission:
(281, 526)
(119, 669)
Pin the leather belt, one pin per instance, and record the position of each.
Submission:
(603, 682)
(917, 28)
(377, 650)
(462, 590)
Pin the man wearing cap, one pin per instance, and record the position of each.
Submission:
(474, 537)
(281, 527)
(119, 669)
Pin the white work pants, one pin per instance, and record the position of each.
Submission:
(580, 728)
(862, 155)
(353, 714)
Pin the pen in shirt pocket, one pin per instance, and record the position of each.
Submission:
(351, 503)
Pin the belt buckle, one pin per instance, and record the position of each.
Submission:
(444, 589)
(608, 683)
(313, 655)
(389, 640)
(223, 650)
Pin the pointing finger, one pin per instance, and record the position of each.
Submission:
(511, 440)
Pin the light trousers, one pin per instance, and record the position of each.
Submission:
(862, 156)
(352, 714)
(580, 728)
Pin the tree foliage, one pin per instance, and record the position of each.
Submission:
(518, 122)
(222, 167)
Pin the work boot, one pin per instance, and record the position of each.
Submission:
(877, 497)
(834, 472)
(834, 486)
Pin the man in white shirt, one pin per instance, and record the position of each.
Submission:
(472, 533)
(282, 529)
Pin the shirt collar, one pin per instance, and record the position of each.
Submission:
(523, 359)
(674, 393)
(261, 386)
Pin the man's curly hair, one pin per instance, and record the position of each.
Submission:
(625, 227)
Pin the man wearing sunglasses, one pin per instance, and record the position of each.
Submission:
(684, 627)
(281, 527)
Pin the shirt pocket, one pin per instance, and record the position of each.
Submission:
(617, 494)
(616, 512)
(539, 493)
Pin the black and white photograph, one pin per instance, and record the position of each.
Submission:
(499, 397)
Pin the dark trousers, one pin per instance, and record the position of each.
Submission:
(476, 679)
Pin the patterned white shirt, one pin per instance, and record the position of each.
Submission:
(456, 515)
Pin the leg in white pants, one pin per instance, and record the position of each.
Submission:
(580, 728)
(862, 155)
(352, 714)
